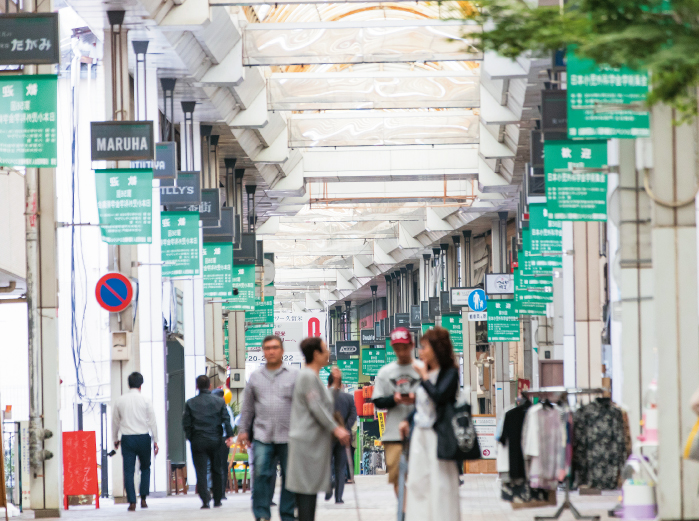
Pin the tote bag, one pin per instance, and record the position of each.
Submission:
(456, 436)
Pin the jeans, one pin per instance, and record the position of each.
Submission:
(264, 471)
(205, 451)
(338, 472)
(132, 446)
(307, 506)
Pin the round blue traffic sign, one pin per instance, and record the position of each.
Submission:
(114, 292)
(476, 300)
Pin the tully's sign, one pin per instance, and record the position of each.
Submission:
(122, 140)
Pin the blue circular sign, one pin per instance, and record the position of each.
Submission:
(114, 292)
(476, 300)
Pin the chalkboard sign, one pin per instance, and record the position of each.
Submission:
(80, 466)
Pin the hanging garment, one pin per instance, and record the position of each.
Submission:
(543, 445)
(512, 437)
(601, 444)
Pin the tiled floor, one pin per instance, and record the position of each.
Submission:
(479, 502)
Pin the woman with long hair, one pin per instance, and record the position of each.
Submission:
(433, 487)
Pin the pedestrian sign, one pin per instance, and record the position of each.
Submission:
(476, 300)
(114, 292)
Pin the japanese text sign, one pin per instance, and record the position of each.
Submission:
(218, 268)
(503, 321)
(180, 243)
(124, 204)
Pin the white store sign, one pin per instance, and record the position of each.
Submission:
(485, 427)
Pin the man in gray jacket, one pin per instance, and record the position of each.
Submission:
(266, 410)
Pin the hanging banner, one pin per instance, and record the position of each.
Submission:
(124, 205)
(546, 234)
(28, 120)
(255, 334)
(453, 324)
(590, 87)
(390, 353)
(372, 361)
(243, 280)
(575, 196)
(179, 243)
(503, 321)
(350, 370)
(536, 265)
(263, 312)
(218, 266)
(226, 352)
(532, 294)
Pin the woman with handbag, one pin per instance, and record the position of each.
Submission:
(433, 485)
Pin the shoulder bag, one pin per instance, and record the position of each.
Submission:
(456, 436)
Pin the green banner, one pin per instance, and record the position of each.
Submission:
(373, 360)
(350, 371)
(255, 334)
(503, 321)
(533, 265)
(575, 196)
(325, 373)
(244, 281)
(225, 341)
(546, 235)
(125, 205)
(390, 353)
(590, 87)
(28, 122)
(179, 243)
(263, 312)
(453, 324)
(532, 294)
(218, 263)
(426, 327)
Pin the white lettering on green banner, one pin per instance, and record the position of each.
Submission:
(263, 312)
(28, 123)
(373, 360)
(390, 353)
(255, 334)
(244, 281)
(218, 263)
(546, 234)
(179, 243)
(453, 324)
(350, 370)
(503, 321)
(124, 205)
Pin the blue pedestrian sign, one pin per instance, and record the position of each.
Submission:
(476, 300)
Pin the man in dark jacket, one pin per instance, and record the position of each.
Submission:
(205, 419)
(346, 412)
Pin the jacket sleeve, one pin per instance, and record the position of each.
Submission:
(116, 423)
(384, 402)
(382, 397)
(445, 390)
(187, 421)
(226, 421)
(247, 410)
(352, 415)
(315, 406)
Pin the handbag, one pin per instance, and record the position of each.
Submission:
(691, 449)
(456, 436)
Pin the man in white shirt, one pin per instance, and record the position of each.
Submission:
(133, 416)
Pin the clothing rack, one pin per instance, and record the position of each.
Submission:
(567, 504)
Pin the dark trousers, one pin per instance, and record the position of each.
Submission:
(207, 451)
(306, 504)
(338, 470)
(133, 446)
(224, 467)
(265, 474)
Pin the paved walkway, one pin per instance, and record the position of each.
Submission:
(479, 502)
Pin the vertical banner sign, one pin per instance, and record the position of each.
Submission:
(350, 370)
(575, 196)
(546, 234)
(180, 243)
(532, 294)
(124, 204)
(244, 281)
(390, 353)
(218, 264)
(533, 265)
(263, 312)
(590, 87)
(452, 323)
(255, 334)
(225, 341)
(28, 121)
(503, 321)
(372, 361)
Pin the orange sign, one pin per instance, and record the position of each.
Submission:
(80, 466)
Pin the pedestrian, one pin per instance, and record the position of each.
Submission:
(346, 415)
(133, 416)
(205, 420)
(225, 449)
(433, 487)
(266, 410)
(394, 390)
(312, 429)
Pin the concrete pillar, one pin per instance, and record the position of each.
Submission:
(566, 319)
(673, 185)
(502, 349)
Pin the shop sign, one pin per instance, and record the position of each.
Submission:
(179, 243)
(367, 337)
(372, 361)
(29, 38)
(255, 334)
(183, 191)
(209, 207)
(218, 267)
(402, 320)
(592, 86)
(263, 312)
(503, 321)
(124, 205)
(244, 282)
(28, 120)
(452, 323)
(546, 234)
(349, 369)
(485, 427)
(575, 196)
(224, 231)
(165, 164)
(122, 140)
(346, 349)
(499, 284)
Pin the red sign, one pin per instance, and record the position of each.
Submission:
(114, 292)
(314, 326)
(522, 385)
(80, 466)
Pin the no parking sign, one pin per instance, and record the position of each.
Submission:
(114, 292)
